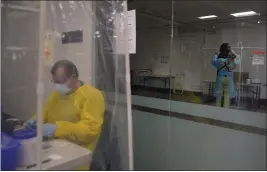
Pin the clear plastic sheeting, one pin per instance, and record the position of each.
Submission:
(195, 45)
(112, 77)
(18, 50)
(19, 59)
(92, 35)
(178, 95)
(248, 42)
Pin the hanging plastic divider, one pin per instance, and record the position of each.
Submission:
(40, 85)
(122, 51)
(251, 87)
(112, 72)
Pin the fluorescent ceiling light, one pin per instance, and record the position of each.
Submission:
(207, 17)
(245, 14)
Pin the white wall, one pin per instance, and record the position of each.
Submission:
(19, 76)
(191, 59)
(169, 143)
(175, 144)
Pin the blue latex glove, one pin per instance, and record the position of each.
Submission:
(49, 130)
(30, 124)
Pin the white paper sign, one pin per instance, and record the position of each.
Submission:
(132, 31)
(258, 60)
(120, 36)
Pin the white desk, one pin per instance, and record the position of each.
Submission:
(255, 88)
(211, 85)
(63, 155)
(165, 78)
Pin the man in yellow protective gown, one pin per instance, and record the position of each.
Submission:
(75, 111)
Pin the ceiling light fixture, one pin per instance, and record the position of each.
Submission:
(245, 14)
(207, 17)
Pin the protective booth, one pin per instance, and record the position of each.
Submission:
(90, 34)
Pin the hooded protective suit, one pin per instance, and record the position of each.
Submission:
(225, 64)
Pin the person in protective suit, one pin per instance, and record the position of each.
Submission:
(75, 111)
(225, 63)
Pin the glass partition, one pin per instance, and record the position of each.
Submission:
(215, 91)
(251, 89)
(246, 85)
(185, 115)
(151, 64)
(194, 47)
(151, 80)
(219, 89)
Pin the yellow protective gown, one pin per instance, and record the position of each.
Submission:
(78, 116)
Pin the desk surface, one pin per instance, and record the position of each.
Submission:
(242, 84)
(63, 155)
(252, 84)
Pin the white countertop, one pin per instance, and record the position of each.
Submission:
(245, 84)
(63, 155)
(251, 84)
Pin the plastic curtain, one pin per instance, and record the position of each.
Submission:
(114, 150)
(100, 56)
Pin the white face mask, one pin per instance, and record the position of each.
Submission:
(63, 88)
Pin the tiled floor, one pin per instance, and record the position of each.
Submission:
(246, 104)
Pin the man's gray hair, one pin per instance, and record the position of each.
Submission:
(69, 67)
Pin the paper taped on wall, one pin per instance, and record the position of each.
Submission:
(258, 59)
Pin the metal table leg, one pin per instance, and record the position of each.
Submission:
(168, 80)
(210, 89)
(143, 80)
(258, 95)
